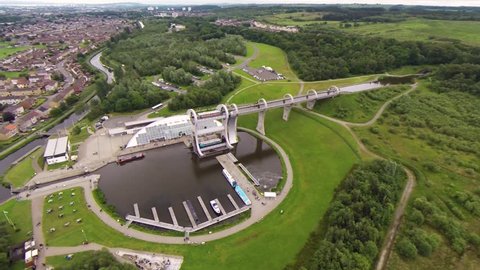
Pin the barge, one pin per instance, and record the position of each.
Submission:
(127, 158)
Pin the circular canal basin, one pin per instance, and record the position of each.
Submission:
(170, 175)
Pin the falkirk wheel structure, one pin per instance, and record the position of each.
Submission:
(216, 131)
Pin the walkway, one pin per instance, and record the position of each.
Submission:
(259, 210)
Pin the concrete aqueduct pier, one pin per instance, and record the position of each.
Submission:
(210, 139)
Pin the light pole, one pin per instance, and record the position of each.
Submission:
(9, 220)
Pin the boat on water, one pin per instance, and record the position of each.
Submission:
(229, 178)
(215, 206)
(127, 158)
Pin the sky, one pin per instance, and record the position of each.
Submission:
(196, 2)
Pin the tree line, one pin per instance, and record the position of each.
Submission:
(458, 77)
(320, 54)
(353, 227)
(210, 93)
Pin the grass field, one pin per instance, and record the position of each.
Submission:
(11, 74)
(58, 261)
(23, 171)
(6, 49)
(295, 18)
(423, 30)
(262, 245)
(358, 107)
(277, 89)
(84, 124)
(442, 171)
(268, 91)
(19, 214)
(273, 57)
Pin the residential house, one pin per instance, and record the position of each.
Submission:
(28, 120)
(15, 109)
(7, 131)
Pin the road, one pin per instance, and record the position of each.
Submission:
(95, 61)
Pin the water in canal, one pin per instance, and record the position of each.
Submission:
(7, 161)
(170, 175)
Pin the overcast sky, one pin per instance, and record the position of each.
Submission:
(196, 2)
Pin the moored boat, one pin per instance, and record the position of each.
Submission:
(215, 207)
(127, 158)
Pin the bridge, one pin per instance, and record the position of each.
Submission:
(208, 139)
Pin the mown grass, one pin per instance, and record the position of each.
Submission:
(58, 261)
(324, 85)
(275, 58)
(7, 50)
(23, 171)
(278, 89)
(267, 91)
(84, 124)
(19, 214)
(358, 107)
(263, 245)
(11, 74)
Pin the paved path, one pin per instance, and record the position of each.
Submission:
(259, 211)
(37, 210)
(411, 180)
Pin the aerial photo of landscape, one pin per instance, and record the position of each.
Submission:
(208, 134)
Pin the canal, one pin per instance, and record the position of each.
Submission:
(8, 160)
(170, 175)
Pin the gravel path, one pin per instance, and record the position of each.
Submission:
(411, 180)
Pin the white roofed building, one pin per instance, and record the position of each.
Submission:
(57, 150)
(164, 129)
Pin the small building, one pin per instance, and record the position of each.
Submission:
(8, 131)
(57, 150)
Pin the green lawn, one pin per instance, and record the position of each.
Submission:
(23, 171)
(58, 261)
(83, 135)
(324, 85)
(11, 74)
(19, 214)
(261, 246)
(275, 58)
(278, 89)
(358, 107)
(6, 49)
(268, 91)
(423, 30)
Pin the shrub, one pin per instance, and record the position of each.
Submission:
(406, 249)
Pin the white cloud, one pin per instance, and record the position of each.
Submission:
(196, 2)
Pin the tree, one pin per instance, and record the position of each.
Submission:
(57, 76)
(8, 116)
(76, 130)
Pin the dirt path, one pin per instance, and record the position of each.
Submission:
(407, 191)
(393, 230)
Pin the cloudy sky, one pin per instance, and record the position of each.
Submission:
(194, 2)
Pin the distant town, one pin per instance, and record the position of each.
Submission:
(45, 70)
